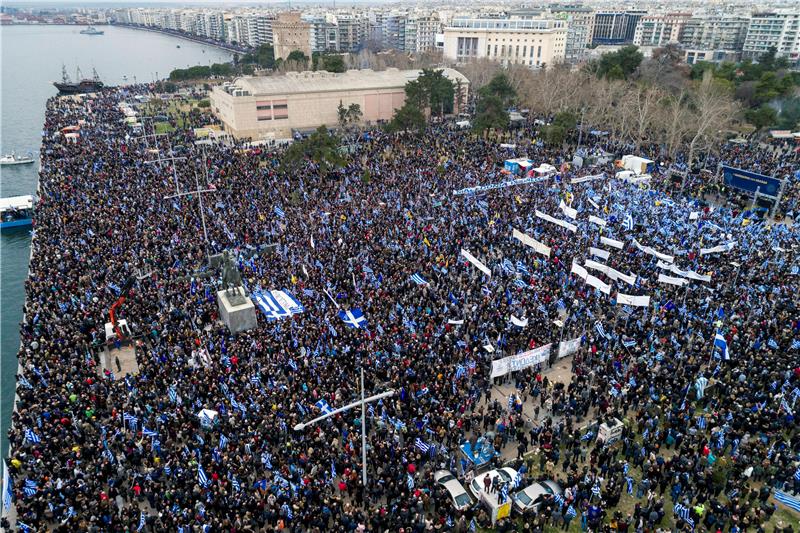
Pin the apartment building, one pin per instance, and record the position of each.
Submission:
(714, 32)
(773, 29)
(421, 30)
(658, 30)
(580, 28)
(535, 43)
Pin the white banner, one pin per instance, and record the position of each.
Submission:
(594, 204)
(699, 277)
(584, 179)
(520, 361)
(579, 270)
(694, 215)
(637, 301)
(594, 265)
(716, 249)
(685, 273)
(680, 282)
(566, 348)
(472, 259)
(533, 243)
(502, 185)
(611, 242)
(598, 284)
(650, 250)
(597, 252)
(616, 275)
(570, 212)
(597, 220)
(521, 322)
(544, 216)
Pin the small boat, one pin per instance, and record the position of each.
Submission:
(16, 212)
(177, 46)
(91, 30)
(14, 159)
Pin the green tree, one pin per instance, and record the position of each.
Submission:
(321, 148)
(354, 113)
(341, 113)
(761, 117)
(554, 134)
(619, 64)
(407, 118)
(431, 90)
(500, 87)
(490, 113)
(565, 119)
(297, 55)
(333, 63)
(789, 116)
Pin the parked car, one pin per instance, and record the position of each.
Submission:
(445, 478)
(532, 496)
(506, 475)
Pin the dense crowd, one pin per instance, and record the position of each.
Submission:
(709, 432)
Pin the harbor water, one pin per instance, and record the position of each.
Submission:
(32, 57)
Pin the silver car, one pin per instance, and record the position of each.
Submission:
(446, 479)
(534, 495)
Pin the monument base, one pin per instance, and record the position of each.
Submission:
(237, 315)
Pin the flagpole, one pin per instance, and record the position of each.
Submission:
(363, 435)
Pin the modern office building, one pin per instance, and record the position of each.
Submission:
(580, 28)
(534, 43)
(277, 107)
(773, 29)
(615, 27)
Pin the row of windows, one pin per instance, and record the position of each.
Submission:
(516, 51)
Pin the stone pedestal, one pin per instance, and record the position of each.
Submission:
(238, 316)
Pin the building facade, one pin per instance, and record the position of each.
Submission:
(290, 33)
(535, 43)
(580, 28)
(615, 27)
(658, 30)
(773, 29)
(277, 107)
(714, 33)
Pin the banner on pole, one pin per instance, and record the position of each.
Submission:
(567, 210)
(611, 242)
(680, 282)
(544, 216)
(597, 252)
(474, 260)
(636, 301)
(597, 220)
(566, 348)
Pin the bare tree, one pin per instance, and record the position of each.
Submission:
(676, 119)
(643, 106)
(714, 110)
(479, 72)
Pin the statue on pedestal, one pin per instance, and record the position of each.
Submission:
(232, 280)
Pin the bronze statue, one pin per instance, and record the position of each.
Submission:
(231, 277)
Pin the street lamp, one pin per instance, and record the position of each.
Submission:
(363, 403)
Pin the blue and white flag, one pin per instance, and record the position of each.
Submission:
(421, 446)
(236, 486)
(503, 493)
(598, 327)
(223, 441)
(571, 512)
(684, 513)
(722, 344)
(522, 269)
(201, 476)
(142, 521)
(508, 266)
(517, 480)
(353, 318)
(418, 279)
(266, 460)
(30, 487)
(627, 223)
(410, 482)
(323, 406)
(279, 212)
(277, 304)
(520, 283)
(32, 437)
(628, 343)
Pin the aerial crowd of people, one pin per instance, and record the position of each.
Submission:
(705, 374)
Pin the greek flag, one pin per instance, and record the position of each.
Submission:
(629, 481)
(722, 344)
(32, 437)
(485, 290)
(8, 488)
(142, 520)
(508, 266)
(323, 406)
(223, 442)
(796, 344)
(701, 422)
(503, 493)
(131, 420)
(598, 327)
(418, 279)
(627, 223)
(522, 269)
(287, 511)
(571, 512)
(520, 283)
(460, 372)
(473, 526)
(787, 500)
(149, 432)
(628, 343)
(421, 446)
(410, 482)
(596, 489)
(353, 318)
(277, 304)
(173, 395)
(772, 344)
(279, 212)
(201, 476)
(266, 460)
(236, 486)
(30, 487)
(24, 382)
(684, 514)
(517, 480)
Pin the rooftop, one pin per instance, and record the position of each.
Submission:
(323, 81)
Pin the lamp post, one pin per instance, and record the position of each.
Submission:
(363, 403)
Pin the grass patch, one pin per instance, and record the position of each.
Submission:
(163, 127)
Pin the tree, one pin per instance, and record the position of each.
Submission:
(643, 106)
(264, 57)
(333, 63)
(714, 110)
(321, 148)
(354, 113)
(490, 113)
(762, 117)
(619, 64)
(341, 112)
(407, 118)
(297, 55)
(675, 118)
(431, 90)
(500, 87)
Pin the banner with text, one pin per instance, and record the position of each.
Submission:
(520, 361)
